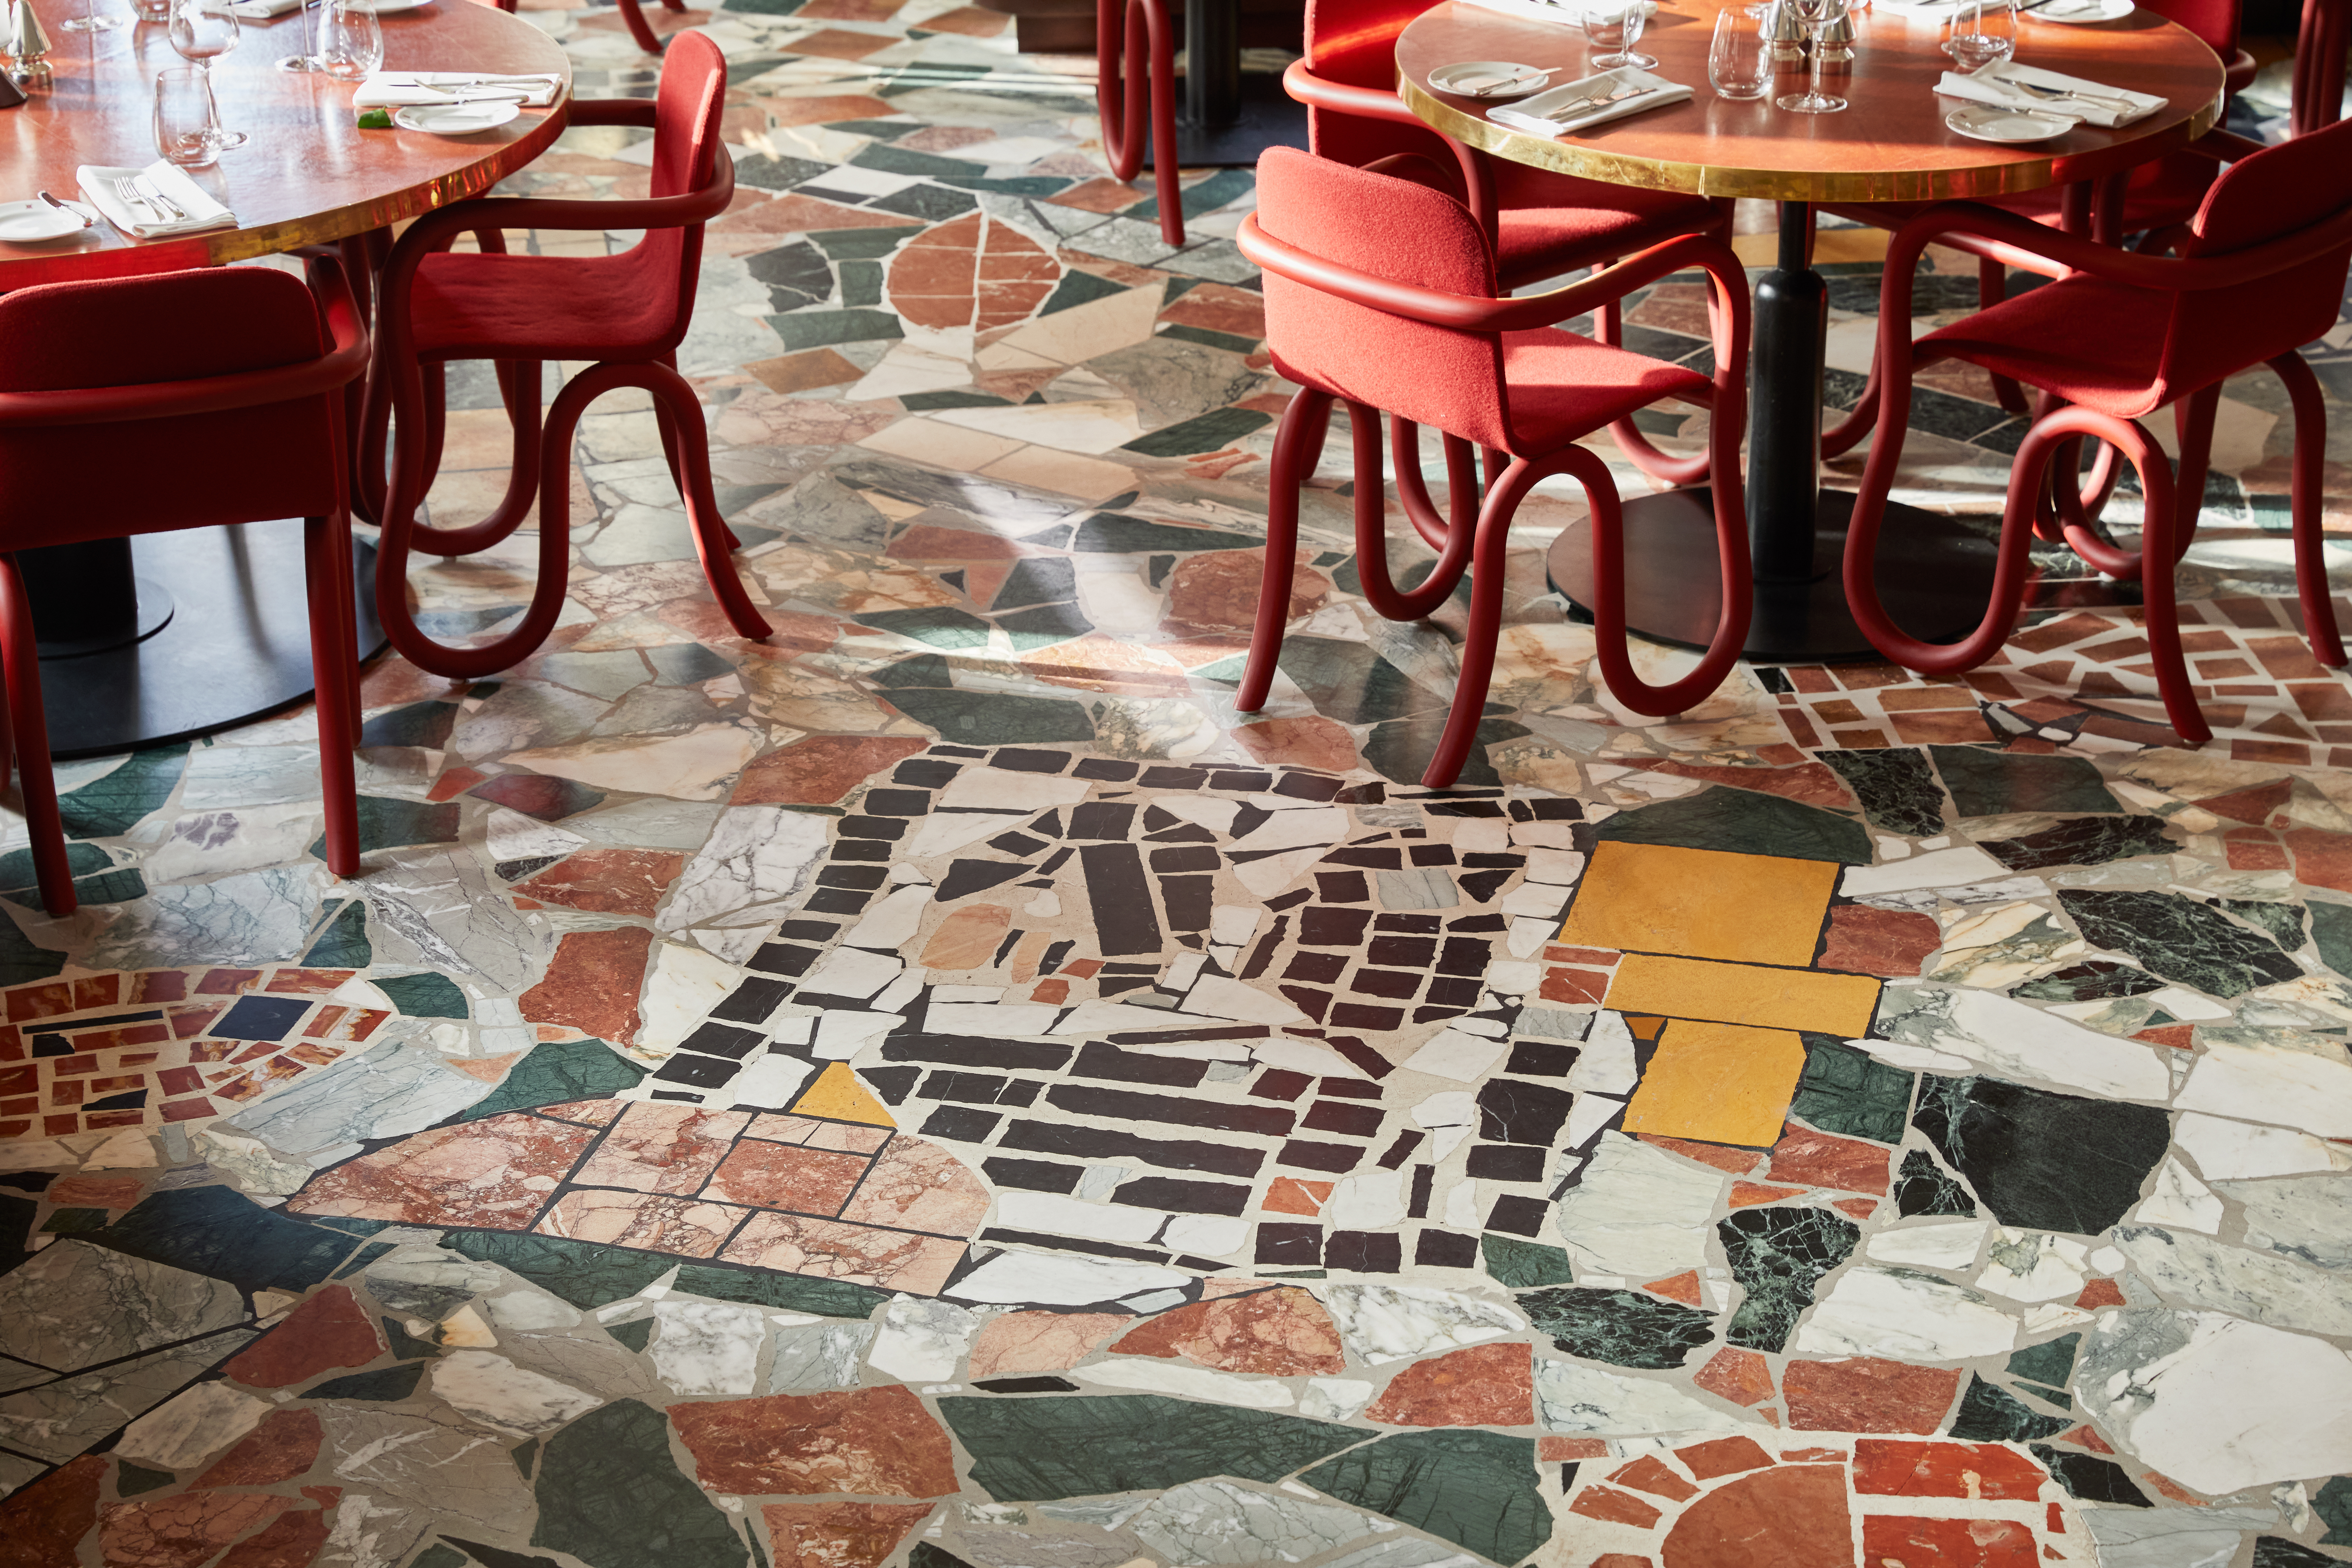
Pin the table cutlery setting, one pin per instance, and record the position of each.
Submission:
(394, 89)
(1593, 100)
(2047, 95)
(152, 203)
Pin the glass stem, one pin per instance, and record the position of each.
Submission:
(1817, 68)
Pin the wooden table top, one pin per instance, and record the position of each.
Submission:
(1890, 146)
(308, 174)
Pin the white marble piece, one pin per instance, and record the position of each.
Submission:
(1381, 1323)
(920, 1340)
(1220, 997)
(1334, 1398)
(428, 1281)
(756, 856)
(943, 831)
(2028, 1267)
(1448, 1118)
(2199, 1271)
(531, 1308)
(1057, 1215)
(36, 1154)
(1405, 1551)
(2171, 1537)
(1270, 875)
(1368, 1199)
(2225, 1149)
(841, 1035)
(999, 789)
(2216, 1403)
(1588, 1116)
(2309, 1217)
(1606, 1065)
(1899, 1315)
(438, 908)
(244, 839)
(694, 765)
(74, 1304)
(806, 1357)
(1152, 1376)
(1311, 1056)
(1939, 868)
(1639, 1211)
(2014, 1040)
(129, 1150)
(1207, 1234)
(58, 1420)
(257, 1168)
(1047, 1279)
(2272, 1083)
(853, 972)
(1219, 1521)
(192, 1425)
(652, 824)
(1946, 1244)
(220, 777)
(995, 1020)
(390, 1090)
(682, 985)
(708, 1347)
(1318, 825)
(893, 921)
(258, 917)
(770, 1081)
(492, 1390)
(2179, 1201)
(447, 1469)
(1579, 1397)
(1457, 1055)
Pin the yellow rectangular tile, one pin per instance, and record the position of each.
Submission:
(1701, 903)
(1745, 994)
(1718, 1083)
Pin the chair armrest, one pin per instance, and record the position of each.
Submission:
(1371, 102)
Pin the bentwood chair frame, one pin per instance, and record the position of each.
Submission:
(1135, 84)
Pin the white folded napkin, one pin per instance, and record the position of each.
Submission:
(97, 187)
(1553, 113)
(2107, 107)
(263, 10)
(1935, 9)
(386, 90)
(1567, 13)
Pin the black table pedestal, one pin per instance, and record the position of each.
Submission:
(1227, 119)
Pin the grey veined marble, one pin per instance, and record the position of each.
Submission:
(261, 917)
(2199, 1271)
(58, 1420)
(1217, 1522)
(2171, 1537)
(818, 1355)
(74, 1305)
(453, 1471)
(1408, 1552)
(393, 1089)
(2309, 1217)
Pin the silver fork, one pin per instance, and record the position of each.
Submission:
(1578, 105)
(2059, 94)
(128, 196)
(158, 200)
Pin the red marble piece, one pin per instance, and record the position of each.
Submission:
(1856, 1208)
(1897, 1541)
(189, 1022)
(1682, 1287)
(1650, 1474)
(1576, 987)
(780, 1176)
(2100, 1293)
(227, 982)
(2321, 860)
(2083, 1436)
(41, 1001)
(1016, 1342)
(861, 1253)
(1309, 743)
(592, 984)
(607, 881)
(821, 770)
(1550, 1449)
(1723, 1157)
(284, 1446)
(291, 1540)
(97, 991)
(1793, 1516)
(329, 1329)
(182, 1530)
(1819, 1159)
(588, 1112)
(1866, 1394)
(1275, 1333)
(1622, 1560)
(662, 1148)
(2254, 804)
(838, 1534)
(2170, 1489)
(496, 1173)
(1723, 1457)
(1219, 308)
(93, 1192)
(1809, 782)
(2173, 1037)
(1217, 590)
(1886, 1466)
(1891, 943)
(455, 781)
(868, 1442)
(307, 982)
(162, 986)
(1744, 1377)
(917, 1185)
(1618, 1508)
(1747, 1194)
(41, 1524)
(686, 1228)
(1485, 1386)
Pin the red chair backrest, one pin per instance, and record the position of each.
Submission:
(2215, 22)
(1440, 376)
(59, 483)
(687, 143)
(1354, 42)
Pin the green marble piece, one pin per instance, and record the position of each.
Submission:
(17, 875)
(940, 626)
(1034, 1451)
(426, 724)
(2050, 1362)
(363, 1257)
(584, 1273)
(218, 1231)
(994, 718)
(499, 1557)
(1744, 822)
(1986, 783)
(556, 1073)
(632, 1334)
(75, 1221)
(1850, 1092)
(131, 1480)
(2042, 1161)
(2082, 841)
(2186, 941)
(2333, 1504)
(2094, 981)
(2278, 1551)
(787, 1292)
(1210, 432)
(1623, 1328)
(1524, 1265)
(856, 244)
(1778, 1255)
(1078, 288)
(818, 329)
(523, 1455)
(115, 803)
(1348, 683)
(1990, 1414)
(1896, 788)
(2331, 932)
(1478, 1490)
(1042, 625)
(2284, 921)
(610, 1493)
(387, 1383)
(1921, 1188)
(424, 996)
(1225, 185)
(21, 961)
(406, 1346)
(439, 1556)
(389, 823)
(925, 1555)
(1400, 750)
(1113, 533)
(343, 944)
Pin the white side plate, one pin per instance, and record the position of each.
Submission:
(1990, 123)
(2080, 13)
(29, 223)
(456, 119)
(1517, 80)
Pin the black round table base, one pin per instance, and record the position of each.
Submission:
(155, 609)
(236, 648)
(1934, 579)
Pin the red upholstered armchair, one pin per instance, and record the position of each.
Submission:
(1381, 293)
(1134, 77)
(2318, 83)
(2260, 273)
(626, 313)
(1541, 224)
(143, 404)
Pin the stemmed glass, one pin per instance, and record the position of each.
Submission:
(93, 20)
(1984, 32)
(1616, 26)
(203, 31)
(1817, 15)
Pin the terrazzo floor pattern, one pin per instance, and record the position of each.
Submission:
(940, 1086)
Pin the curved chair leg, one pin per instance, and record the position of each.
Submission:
(2193, 419)
(20, 666)
(1371, 532)
(712, 539)
(1492, 535)
(435, 379)
(2304, 499)
(1992, 288)
(333, 676)
(639, 28)
(524, 470)
(1413, 488)
(1134, 80)
(1608, 327)
(1297, 446)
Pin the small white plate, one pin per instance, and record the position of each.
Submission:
(2080, 13)
(29, 223)
(1518, 80)
(392, 8)
(1992, 123)
(457, 119)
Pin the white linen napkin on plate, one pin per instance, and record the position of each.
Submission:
(1554, 114)
(389, 90)
(2109, 106)
(97, 184)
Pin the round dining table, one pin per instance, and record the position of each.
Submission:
(169, 636)
(1890, 146)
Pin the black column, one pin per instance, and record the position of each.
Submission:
(1791, 323)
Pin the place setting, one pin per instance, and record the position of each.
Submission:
(453, 103)
(2009, 101)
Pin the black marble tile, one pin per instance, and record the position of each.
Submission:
(387, 1385)
(1540, 1059)
(1342, 888)
(2179, 938)
(1399, 983)
(1985, 783)
(1038, 1238)
(1518, 1214)
(1032, 1176)
(1338, 1116)
(960, 1123)
(1359, 1016)
(2094, 980)
(1364, 1251)
(1444, 1249)
(723, 1040)
(1098, 1060)
(1743, 822)
(2039, 1159)
(1922, 1189)
(698, 1073)
(1990, 1414)
(1280, 1083)
(964, 1050)
(892, 1083)
(1778, 1255)
(1350, 1088)
(1398, 1153)
(2278, 1551)
(993, 1385)
(2083, 841)
(1184, 1197)
(1282, 1242)
(1078, 1143)
(1514, 1112)
(260, 1017)
(1306, 1154)
(1119, 895)
(1623, 1328)
(838, 901)
(2091, 1478)
(925, 773)
(1109, 769)
(2284, 921)
(1506, 1162)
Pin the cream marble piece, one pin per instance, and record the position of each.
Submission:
(1939, 869)
(2306, 1218)
(492, 1390)
(2216, 1403)
(2273, 1084)
(193, 1424)
(1221, 1522)
(1639, 1211)
(1606, 1064)
(2012, 1039)
(756, 856)
(2224, 1150)
(1581, 1398)
(1949, 1244)
(1152, 1376)
(1899, 1315)
(919, 1341)
(2179, 1201)
(708, 1347)
(2201, 1272)
(1383, 1323)
(1046, 1280)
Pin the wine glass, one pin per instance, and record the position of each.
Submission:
(203, 31)
(1617, 28)
(351, 40)
(1984, 33)
(1817, 15)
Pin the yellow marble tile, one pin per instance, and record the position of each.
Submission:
(838, 1096)
(1701, 903)
(1718, 1083)
(1744, 994)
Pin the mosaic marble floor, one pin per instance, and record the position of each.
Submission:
(940, 1086)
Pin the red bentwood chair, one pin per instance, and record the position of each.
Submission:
(1381, 293)
(2261, 272)
(2318, 83)
(148, 382)
(1135, 76)
(628, 313)
(1540, 224)
(630, 13)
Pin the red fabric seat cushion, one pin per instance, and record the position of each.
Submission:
(1563, 386)
(2091, 342)
(472, 306)
(1551, 223)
